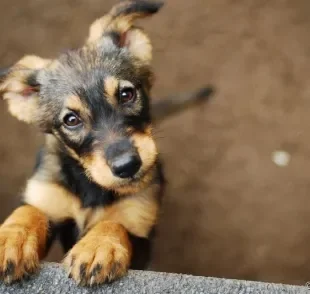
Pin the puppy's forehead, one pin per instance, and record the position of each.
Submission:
(84, 67)
(95, 97)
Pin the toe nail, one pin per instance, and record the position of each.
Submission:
(8, 279)
(92, 281)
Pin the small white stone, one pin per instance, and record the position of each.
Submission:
(281, 158)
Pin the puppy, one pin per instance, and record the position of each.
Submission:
(98, 182)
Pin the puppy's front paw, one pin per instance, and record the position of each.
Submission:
(98, 259)
(19, 255)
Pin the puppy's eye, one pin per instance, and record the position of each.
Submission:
(71, 120)
(127, 94)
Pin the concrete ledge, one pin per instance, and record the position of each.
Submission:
(52, 279)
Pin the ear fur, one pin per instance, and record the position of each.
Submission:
(19, 87)
(119, 24)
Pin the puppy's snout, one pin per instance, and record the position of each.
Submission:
(126, 165)
(123, 159)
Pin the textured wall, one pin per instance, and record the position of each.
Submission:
(229, 211)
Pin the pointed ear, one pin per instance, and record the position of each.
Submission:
(118, 25)
(18, 85)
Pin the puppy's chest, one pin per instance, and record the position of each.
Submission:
(137, 213)
(60, 204)
(85, 218)
(70, 230)
(91, 205)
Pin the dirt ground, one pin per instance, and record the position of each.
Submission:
(229, 210)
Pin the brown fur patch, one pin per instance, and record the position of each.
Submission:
(103, 255)
(21, 108)
(74, 103)
(110, 87)
(23, 238)
(138, 213)
(16, 80)
(98, 169)
(146, 148)
(96, 215)
(55, 201)
(22, 101)
(33, 62)
(97, 28)
(139, 45)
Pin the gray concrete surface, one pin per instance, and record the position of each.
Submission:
(52, 279)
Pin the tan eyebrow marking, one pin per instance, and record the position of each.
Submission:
(74, 103)
(110, 88)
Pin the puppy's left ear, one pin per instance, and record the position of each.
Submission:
(19, 86)
(118, 26)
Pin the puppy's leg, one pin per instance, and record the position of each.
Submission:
(102, 255)
(23, 238)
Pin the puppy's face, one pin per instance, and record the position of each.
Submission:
(94, 100)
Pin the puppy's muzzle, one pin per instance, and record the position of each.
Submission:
(123, 159)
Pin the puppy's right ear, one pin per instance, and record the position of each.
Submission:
(19, 87)
(119, 23)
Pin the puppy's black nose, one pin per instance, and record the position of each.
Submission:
(125, 165)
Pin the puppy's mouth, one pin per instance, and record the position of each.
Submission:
(136, 183)
(125, 163)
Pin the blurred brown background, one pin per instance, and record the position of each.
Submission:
(230, 211)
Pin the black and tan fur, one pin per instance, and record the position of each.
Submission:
(102, 207)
